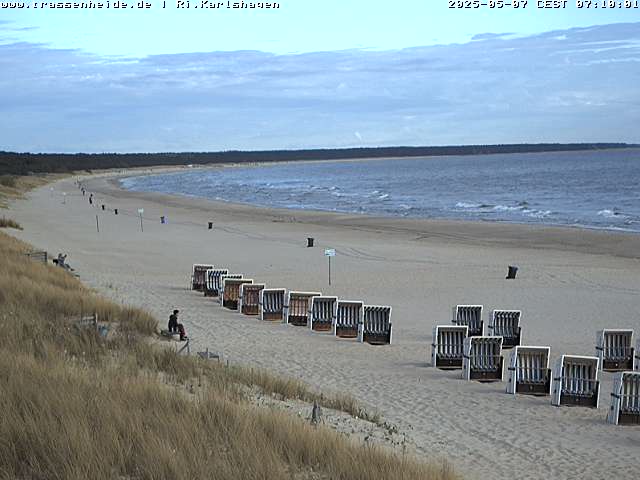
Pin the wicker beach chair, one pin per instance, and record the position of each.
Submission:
(198, 277)
(447, 349)
(470, 315)
(529, 371)
(249, 301)
(482, 359)
(614, 348)
(349, 317)
(376, 327)
(506, 324)
(271, 304)
(625, 399)
(231, 291)
(297, 307)
(575, 381)
(213, 285)
(322, 313)
(221, 279)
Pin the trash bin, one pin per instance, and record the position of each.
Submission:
(513, 270)
(163, 219)
(102, 206)
(210, 225)
(309, 242)
(115, 211)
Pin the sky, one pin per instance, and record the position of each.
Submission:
(315, 74)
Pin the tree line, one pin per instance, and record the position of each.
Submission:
(13, 163)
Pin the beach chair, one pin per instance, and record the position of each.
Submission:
(349, 317)
(447, 349)
(470, 315)
(625, 399)
(221, 280)
(614, 348)
(482, 359)
(271, 304)
(231, 291)
(575, 381)
(322, 313)
(636, 355)
(213, 285)
(376, 327)
(297, 307)
(198, 278)
(506, 324)
(250, 298)
(529, 371)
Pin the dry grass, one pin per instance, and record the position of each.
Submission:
(9, 223)
(77, 405)
(12, 187)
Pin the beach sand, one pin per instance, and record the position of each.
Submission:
(571, 283)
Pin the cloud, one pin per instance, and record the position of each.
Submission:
(571, 85)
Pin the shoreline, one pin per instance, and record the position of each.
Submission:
(573, 238)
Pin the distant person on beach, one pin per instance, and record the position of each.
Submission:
(174, 326)
(91, 199)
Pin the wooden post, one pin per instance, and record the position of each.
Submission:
(97, 224)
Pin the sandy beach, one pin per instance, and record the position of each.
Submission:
(570, 284)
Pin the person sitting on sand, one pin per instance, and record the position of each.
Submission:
(174, 326)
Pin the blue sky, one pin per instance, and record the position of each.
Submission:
(316, 74)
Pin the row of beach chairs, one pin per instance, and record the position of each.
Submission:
(341, 318)
(575, 379)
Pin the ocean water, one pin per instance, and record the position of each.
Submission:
(591, 189)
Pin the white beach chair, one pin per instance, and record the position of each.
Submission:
(614, 348)
(231, 291)
(198, 278)
(322, 313)
(506, 324)
(349, 317)
(376, 327)
(529, 371)
(482, 359)
(575, 381)
(213, 285)
(221, 280)
(249, 299)
(447, 349)
(470, 315)
(271, 304)
(297, 307)
(625, 399)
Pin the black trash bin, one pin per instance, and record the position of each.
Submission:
(102, 206)
(309, 242)
(513, 270)
(210, 225)
(115, 211)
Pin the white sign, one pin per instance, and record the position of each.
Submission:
(141, 211)
(330, 252)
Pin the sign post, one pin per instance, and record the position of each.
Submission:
(329, 252)
(97, 224)
(141, 211)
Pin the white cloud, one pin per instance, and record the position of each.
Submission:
(495, 89)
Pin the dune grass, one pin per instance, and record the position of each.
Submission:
(9, 223)
(15, 186)
(78, 405)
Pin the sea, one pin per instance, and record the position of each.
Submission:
(589, 189)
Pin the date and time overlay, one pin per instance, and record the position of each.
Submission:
(254, 5)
